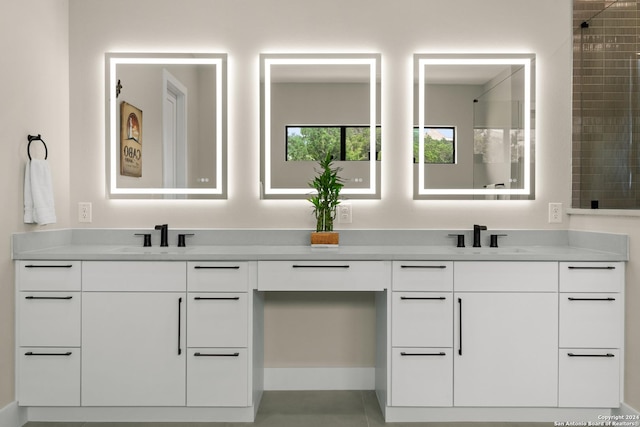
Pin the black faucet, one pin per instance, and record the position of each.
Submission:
(164, 234)
(476, 234)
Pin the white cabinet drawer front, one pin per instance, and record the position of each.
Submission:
(218, 276)
(217, 320)
(490, 276)
(591, 276)
(422, 377)
(49, 376)
(49, 319)
(422, 276)
(324, 275)
(49, 275)
(125, 276)
(589, 378)
(590, 320)
(217, 377)
(422, 319)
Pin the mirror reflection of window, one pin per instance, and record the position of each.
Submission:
(439, 145)
(344, 143)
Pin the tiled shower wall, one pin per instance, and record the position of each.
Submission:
(606, 163)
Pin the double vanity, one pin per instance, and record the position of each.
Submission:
(110, 330)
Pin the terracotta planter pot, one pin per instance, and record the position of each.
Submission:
(325, 238)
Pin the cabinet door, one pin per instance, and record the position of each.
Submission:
(422, 377)
(217, 320)
(133, 349)
(422, 319)
(48, 376)
(506, 349)
(217, 377)
(589, 378)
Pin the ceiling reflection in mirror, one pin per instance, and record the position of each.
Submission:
(166, 125)
(313, 104)
(475, 116)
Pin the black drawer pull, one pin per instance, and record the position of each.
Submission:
(198, 354)
(571, 267)
(424, 266)
(319, 266)
(591, 299)
(179, 325)
(423, 298)
(442, 353)
(48, 266)
(216, 298)
(31, 353)
(591, 355)
(32, 297)
(217, 267)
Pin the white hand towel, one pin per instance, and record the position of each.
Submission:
(38, 193)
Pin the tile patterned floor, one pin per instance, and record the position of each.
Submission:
(307, 409)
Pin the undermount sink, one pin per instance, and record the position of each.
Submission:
(153, 250)
(488, 251)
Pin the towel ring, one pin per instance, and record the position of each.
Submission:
(36, 138)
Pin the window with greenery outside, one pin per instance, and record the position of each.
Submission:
(439, 145)
(344, 143)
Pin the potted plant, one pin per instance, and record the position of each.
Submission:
(327, 184)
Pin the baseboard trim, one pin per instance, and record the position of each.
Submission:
(12, 416)
(319, 378)
(625, 410)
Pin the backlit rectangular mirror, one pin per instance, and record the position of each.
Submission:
(166, 125)
(474, 117)
(317, 103)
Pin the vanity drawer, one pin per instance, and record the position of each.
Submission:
(422, 276)
(589, 378)
(591, 276)
(590, 320)
(49, 318)
(217, 377)
(133, 276)
(49, 376)
(218, 276)
(422, 319)
(324, 275)
(507, 276)
(217, 319)
(48, 275)
(422, 377)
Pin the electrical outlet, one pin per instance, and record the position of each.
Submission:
(344, 213)
(555, 213)
(84, 211)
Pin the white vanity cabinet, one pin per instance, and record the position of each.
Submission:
(218, 358)
(421, 334)
(133, 333)
(48, 353)
(506, 334)
(591, 337)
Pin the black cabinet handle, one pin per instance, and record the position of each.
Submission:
(423, 298)
(31, 353)
(442, 353)
(48, 266)
(217, 267)
(591, 355)
(424, 266)
(179, 324)
(32, 297)
(571, 267)
(198, 354)
(591, 299)
(319, 266)
(216, 298)
(460, 327)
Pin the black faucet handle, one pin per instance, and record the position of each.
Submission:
(479, 227)
(460, 237)
(182, 239)
(147, 239)
(494, 240)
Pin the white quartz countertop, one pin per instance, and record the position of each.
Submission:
(272, 253)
